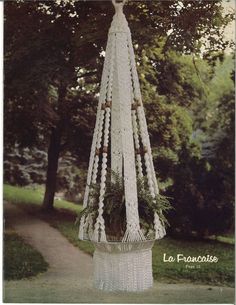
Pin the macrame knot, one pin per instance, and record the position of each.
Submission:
(119, 23)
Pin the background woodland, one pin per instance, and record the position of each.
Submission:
(53, 57)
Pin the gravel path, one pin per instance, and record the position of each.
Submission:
(69, 277)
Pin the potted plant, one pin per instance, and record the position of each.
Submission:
(114, 207)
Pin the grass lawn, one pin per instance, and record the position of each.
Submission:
(31, 197)
(20, 259)
(224, 239)
(220, 273)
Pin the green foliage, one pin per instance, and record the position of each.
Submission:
(49, 46)
(114, 206)
(192, 132)
(203, 199)
(34, 103)
(203, 185)
(170, 87)
(175, 75)
(208, 112)
(147, 205)
(20, 259)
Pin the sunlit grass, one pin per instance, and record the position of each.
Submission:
(224, 239)
(32, 196)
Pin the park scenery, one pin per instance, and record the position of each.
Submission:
(53, 58)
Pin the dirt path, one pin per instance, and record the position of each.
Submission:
(69, 278)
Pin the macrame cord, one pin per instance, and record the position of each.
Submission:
(121, 143)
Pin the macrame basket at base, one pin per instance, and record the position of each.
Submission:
(123, 266)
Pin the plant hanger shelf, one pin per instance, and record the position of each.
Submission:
(123, 210)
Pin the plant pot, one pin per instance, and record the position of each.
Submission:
(123, 266)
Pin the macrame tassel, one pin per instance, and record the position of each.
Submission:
(81, 228)
(103, 237)
(95, 235)
(99, 233)
(160, 231)
(90, 227)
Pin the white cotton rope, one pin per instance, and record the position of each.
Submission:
(120, 143)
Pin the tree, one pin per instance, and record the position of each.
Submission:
(170, 87)
(203, 188)
(46, 81)
(202, 204)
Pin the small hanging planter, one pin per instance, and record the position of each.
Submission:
(123, 210)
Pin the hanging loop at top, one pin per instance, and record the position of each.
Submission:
(119, 23)
(118, 4)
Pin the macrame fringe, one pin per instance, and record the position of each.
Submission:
(125, 271)
(132, 235)
(160, 231)
(81, 228)
(99, 235)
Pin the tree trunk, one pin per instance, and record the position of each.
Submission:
(54, 153)
(53, 157)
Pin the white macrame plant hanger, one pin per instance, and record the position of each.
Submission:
(121, 131)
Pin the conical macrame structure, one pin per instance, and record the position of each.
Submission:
(120, 143)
